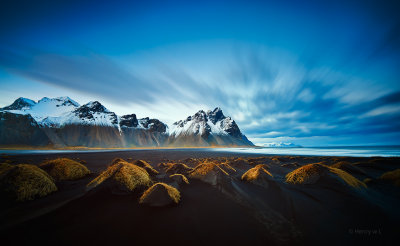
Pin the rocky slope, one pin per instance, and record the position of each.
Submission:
(61, 122)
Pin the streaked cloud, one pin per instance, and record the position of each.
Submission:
(282, 72)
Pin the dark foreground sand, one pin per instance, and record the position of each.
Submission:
(232, 212)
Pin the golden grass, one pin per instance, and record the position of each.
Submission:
(203, 169)
(142, 163)
(392, 176)
(160, 194)
(24, 182)
(341, 164)
(179, 178)
(65, 169)
(209, 172)
(256, 173)
(116, 160)
(311, 173)
(178, 168)
(146, 166)
(348, 167)
(126, 175)
(164, 164)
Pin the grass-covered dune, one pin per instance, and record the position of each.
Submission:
(320, 173)
(392, 177)
(122, 176)
(65, 169)
(178, 168)
(258, 175)
(144, 164)
(209, 172)
(179, 178)
(160, 194)
(24, 182)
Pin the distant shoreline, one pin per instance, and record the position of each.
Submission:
(356, 151)
(191, 147)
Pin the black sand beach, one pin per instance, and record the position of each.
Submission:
(228, 212)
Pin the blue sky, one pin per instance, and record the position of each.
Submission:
(308, 72)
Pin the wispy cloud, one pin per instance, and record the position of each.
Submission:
(270, 94)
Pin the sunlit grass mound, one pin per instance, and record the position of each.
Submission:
(348, 167)
(160, 194)
(65, 169)
(392, 177)
(164, 164)
(24, 182)
(146, 166)
(209, 173)
(317, 172)
(178, 168)
(122, 176)
(179, 178)
(258, 175)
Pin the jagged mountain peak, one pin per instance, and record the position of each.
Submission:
(211, 128)
(153, 124)
(95, 106)
(200, 116)
(59, 101)
(94, 111)
(20, 104)
(128, 120)
(215, 115)
(212, 122)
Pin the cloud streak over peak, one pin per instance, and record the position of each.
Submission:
(278, 75)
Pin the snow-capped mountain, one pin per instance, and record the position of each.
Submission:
(211, 128)
(62, 121)
(45, 107)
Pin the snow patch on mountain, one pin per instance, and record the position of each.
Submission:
(202, 123)
(45, 107)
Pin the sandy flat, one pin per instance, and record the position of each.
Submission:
(232, 212)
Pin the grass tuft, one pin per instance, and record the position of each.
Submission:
(392, 176)
(160, 194)
(179, 178)
(65, 169)
(256, 173)
(209, 172)
(312, 173)
(178, 168)
(25, 182)
(126, 176)
(146, 166)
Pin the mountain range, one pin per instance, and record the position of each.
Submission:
(62, 122)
